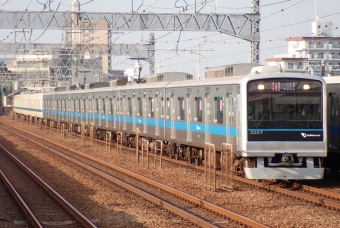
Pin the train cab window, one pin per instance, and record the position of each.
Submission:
(198, 109)
(219, 106)
(181, 108)
(151, 107)
(111, 106)
(129, 106)
(140, 106)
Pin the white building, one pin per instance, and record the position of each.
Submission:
(311, 53)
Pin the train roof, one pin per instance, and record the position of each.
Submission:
(234, 80)
(332, 79)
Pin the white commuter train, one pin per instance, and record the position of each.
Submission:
(276, 122)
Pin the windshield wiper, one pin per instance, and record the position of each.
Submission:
(289, 121)
(308, 122)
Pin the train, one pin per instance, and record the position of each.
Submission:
(332, 160)
(276, 122)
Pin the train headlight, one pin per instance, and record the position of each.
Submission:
(260, 87)
(306, 87)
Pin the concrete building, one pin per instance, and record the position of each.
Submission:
(34, 68)
(312, 54)
(229, 70)
(77, 37)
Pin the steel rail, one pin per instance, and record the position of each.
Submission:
(30, 216)
(73, 211)
(308, 189)
(143, 194)
(195, 200)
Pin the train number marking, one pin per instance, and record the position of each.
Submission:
(256, 132)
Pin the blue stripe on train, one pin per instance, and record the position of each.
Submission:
(286, 130)
(178, 125)
(28, 109)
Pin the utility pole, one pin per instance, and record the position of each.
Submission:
(197, 62)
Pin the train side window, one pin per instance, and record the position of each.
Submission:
(181, 108)
(162, 107)
(129, 106)
(96, 106)
(168, 109)
(104, 105)
(78, 105)
(139, 106)
(84, 107)
(74, 105)
(198, 109)
(117, 107)
(230, 108)
(111, 106)
(219, 106)
(151, 107)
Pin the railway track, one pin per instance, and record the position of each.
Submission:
(177, 202)
(42, 205)
(314, 195)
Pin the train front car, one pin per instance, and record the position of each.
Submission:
(286, 126)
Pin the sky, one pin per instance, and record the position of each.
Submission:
(280, 19)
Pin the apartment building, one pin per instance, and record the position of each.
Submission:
(312, 54)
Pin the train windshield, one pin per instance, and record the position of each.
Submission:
(283, 104)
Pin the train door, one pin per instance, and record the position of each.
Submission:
(334, 121)
(151, 114)
(207, 119)
(76, 101)
(120, 118)
(157, 106)
(100, 110)
(189, 119)
(61, 116)
(115, 112)
(231, 129)
(65, 110)
(106, 111)
(73, 110)
(237, 104)
(96, 111)
(58, 109)
(110, 115)
(173, 114)
(133, 110)
(145, 112)
(85, 110)
(124, 111)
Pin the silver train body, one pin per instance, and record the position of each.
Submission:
(249, 112)
(333, 157)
